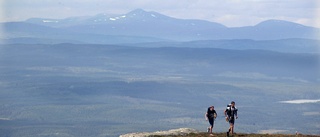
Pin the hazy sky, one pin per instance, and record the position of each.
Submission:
(232, 13)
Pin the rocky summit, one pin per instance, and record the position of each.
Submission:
(188, 132)
(173, 132)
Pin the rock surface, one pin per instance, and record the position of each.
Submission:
(180, 131)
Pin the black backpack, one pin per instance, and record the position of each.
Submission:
(210, 116)
(228, 110)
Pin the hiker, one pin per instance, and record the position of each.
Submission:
(211, 116)
(231, 115)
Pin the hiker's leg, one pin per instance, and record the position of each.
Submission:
(231, 128)
(231, 122)
(211, 125)
(228, 133)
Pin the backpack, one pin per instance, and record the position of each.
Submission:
(229, 112)
(211, 115)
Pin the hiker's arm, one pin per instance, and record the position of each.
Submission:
(215, 115)
(236, 113)
(206, 116)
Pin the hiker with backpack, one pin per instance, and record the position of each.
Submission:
(211, 116)
(231, 115)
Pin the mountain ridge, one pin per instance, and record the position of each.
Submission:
(188, 132)
(143, 13)
(149, 26)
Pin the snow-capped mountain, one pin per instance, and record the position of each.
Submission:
(147, 26)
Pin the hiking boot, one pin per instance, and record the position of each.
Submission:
(228, 134)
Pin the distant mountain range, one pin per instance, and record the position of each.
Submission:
(143, 26)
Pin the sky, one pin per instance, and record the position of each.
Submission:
(231, 13)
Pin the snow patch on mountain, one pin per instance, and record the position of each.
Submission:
(312, 113)
(272, 131)
(301, 101)
(5, 119)
(49, 21)
(117, 18)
